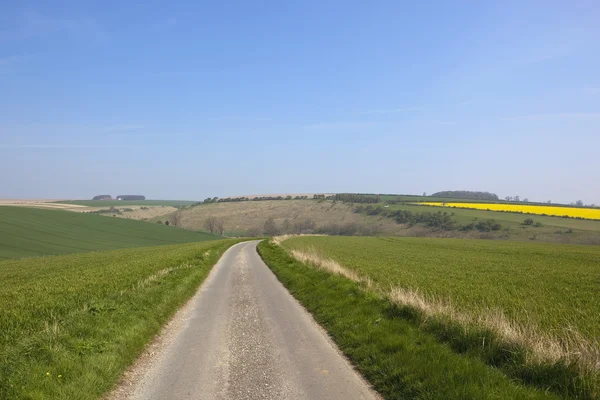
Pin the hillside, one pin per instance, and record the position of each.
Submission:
(27, 232)
(241, 217)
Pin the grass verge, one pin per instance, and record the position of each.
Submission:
(385, 343)
(69, 325)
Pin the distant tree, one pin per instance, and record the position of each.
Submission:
(528, 221)
(271, 228)
(175, 219)
(517, 198)
(526, 200)
(508, 198)
(549, 202)
(159, 222)
(424, 194)
(254, 232)
(210, 224)
(219, 227)
(466, 194)
(579, 203)
(167, 223)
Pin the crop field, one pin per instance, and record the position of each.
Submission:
(27, 232)
(540, 301)
(572, 212)
(70, 324)
(125, 203)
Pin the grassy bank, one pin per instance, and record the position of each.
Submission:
(393, 353)
(529, 309)
(27, 232)
(69, 325)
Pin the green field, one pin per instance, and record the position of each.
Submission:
(125, 203)
(385, 342)
(27, 232)
(70, 324)
(549, 291)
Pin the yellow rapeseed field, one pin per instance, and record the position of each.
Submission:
(574, 212)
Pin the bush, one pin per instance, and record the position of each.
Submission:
(528, 221)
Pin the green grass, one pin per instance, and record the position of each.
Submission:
(70, 325)
(507, 219)
(125, 203)
(389, 348)
(552, 288)
(27, 232)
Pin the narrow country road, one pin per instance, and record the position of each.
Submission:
(243, 336)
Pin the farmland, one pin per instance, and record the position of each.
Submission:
(535, 301)
(70, 324)
(27, 232)
(562, 211)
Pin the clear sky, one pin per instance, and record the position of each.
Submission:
(185, 100)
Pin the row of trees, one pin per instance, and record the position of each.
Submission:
(209, 200)
(466, 194)
(307, 226)
(356, 198)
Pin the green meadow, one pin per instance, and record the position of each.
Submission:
(529, 310)
(30, 232)
(70, 324)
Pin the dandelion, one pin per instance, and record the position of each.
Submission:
(47, 373)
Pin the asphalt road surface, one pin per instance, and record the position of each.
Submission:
(243, 336)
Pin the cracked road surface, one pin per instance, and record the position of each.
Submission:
(243, 336)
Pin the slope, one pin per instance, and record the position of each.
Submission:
(28, 232)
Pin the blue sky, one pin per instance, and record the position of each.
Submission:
(193, 99)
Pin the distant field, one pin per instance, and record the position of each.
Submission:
(70, 324)
(549, 293)
(563, 211)
(27, 232)
(124, 203)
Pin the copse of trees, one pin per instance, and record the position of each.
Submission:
(356, 198)
(467, 194)
(439, 220)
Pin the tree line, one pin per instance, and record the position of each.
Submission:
(467, 194)
(356, 198)
(209, 200)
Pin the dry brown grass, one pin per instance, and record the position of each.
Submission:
(570, 346)
(242, 216)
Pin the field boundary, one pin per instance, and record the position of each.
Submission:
(520, 349)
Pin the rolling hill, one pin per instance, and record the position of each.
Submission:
(30, 232)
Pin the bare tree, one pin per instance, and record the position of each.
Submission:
(175, 219)
(579, 203)
(219, 227)
(271, 228)
(253, 232)
(210, 224)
